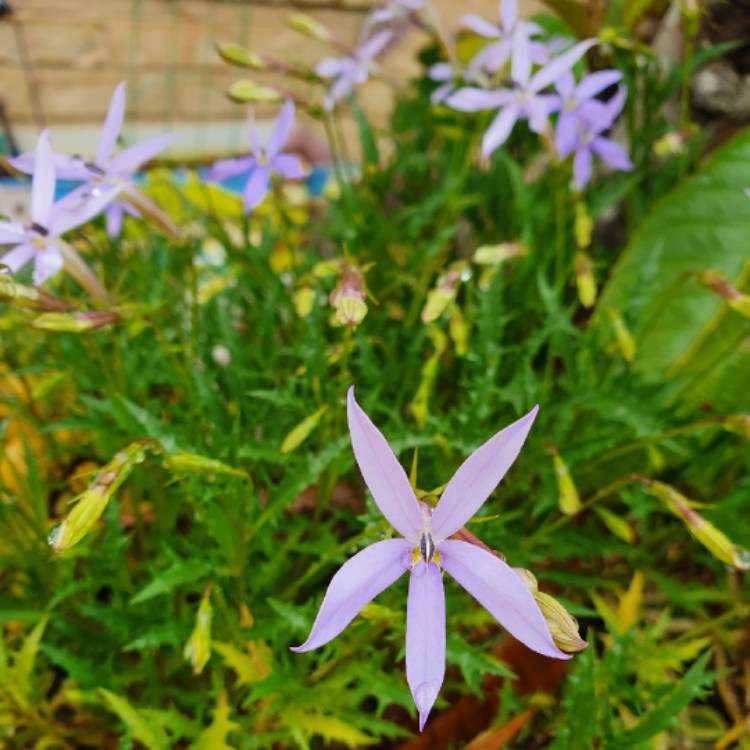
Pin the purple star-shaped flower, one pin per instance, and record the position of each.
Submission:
(348, 72)
(426, 550)
(262, 161)
(492, 57)
(37, 241)
(108, 169)
(525, 100)
(573, 102)
(583, 137)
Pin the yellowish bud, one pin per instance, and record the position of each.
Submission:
(585, 281)
(584, 225)
(198, 647)
(236, 54)
(444, 293)
(74, 323)
(303, 430)
(569, 500)
(304, 300)
(624, 338)
(459, 331)
(348, 298)
(563, 627)
(89, 505)
(714, 540)
(308, 26)
(250, 92)
(494, 255)
(192, 463)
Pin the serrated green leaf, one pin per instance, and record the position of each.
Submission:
(143, 730)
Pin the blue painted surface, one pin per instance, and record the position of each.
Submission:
(315, 181)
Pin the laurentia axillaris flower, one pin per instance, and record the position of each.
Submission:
(109, 171)
(262, 161)
(37, 242)
(426, 550)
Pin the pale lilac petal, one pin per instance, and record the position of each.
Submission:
(425, 637)
(382, 472)
(471, 99)
(256, 187)
(491, 58)
(536, 112)
(540, 52)
(556, 67)
(66, 167)
(613, 107)
(131, 159)
(331, 67)
(80, 206)
(374, 46)
(281, 128)
(112, 126)
(47, 262)
(595, 83)
(11, 233)
(582, 166)
(43, 182)
(478, 25)
(18, 257)
(341, 87)
(358, 581)
(288, 166)
(114, 220)
(440, 72)
(566, 134)
(508, 13)
(500, 128)
(611, 153)
(224, 169)
(478, 475)
(520, 67)
(499, 589)
(566, 85)
(441, 93)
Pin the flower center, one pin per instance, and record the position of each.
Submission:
(426, 546)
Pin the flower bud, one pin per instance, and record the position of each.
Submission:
(192, 463)
(308, 26)
(90, 504)
(303, 300)
(569, 500)
(585, 280)
(716, 282)
(250, 92)
(236, 54)
(444, 293)
(563, 627)
(197, 650)
(714, 540)
(583, 226)
(624, 338)
(348, 298)
(75, 323)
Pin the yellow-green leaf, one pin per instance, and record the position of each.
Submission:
(143, 730)
(251, 665)
(214, 736)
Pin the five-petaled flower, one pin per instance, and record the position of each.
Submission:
(37, 241)
(348, 72)
(582, 136)
(525, 100)
(262, 161)
(107, 170)
(426, 549)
